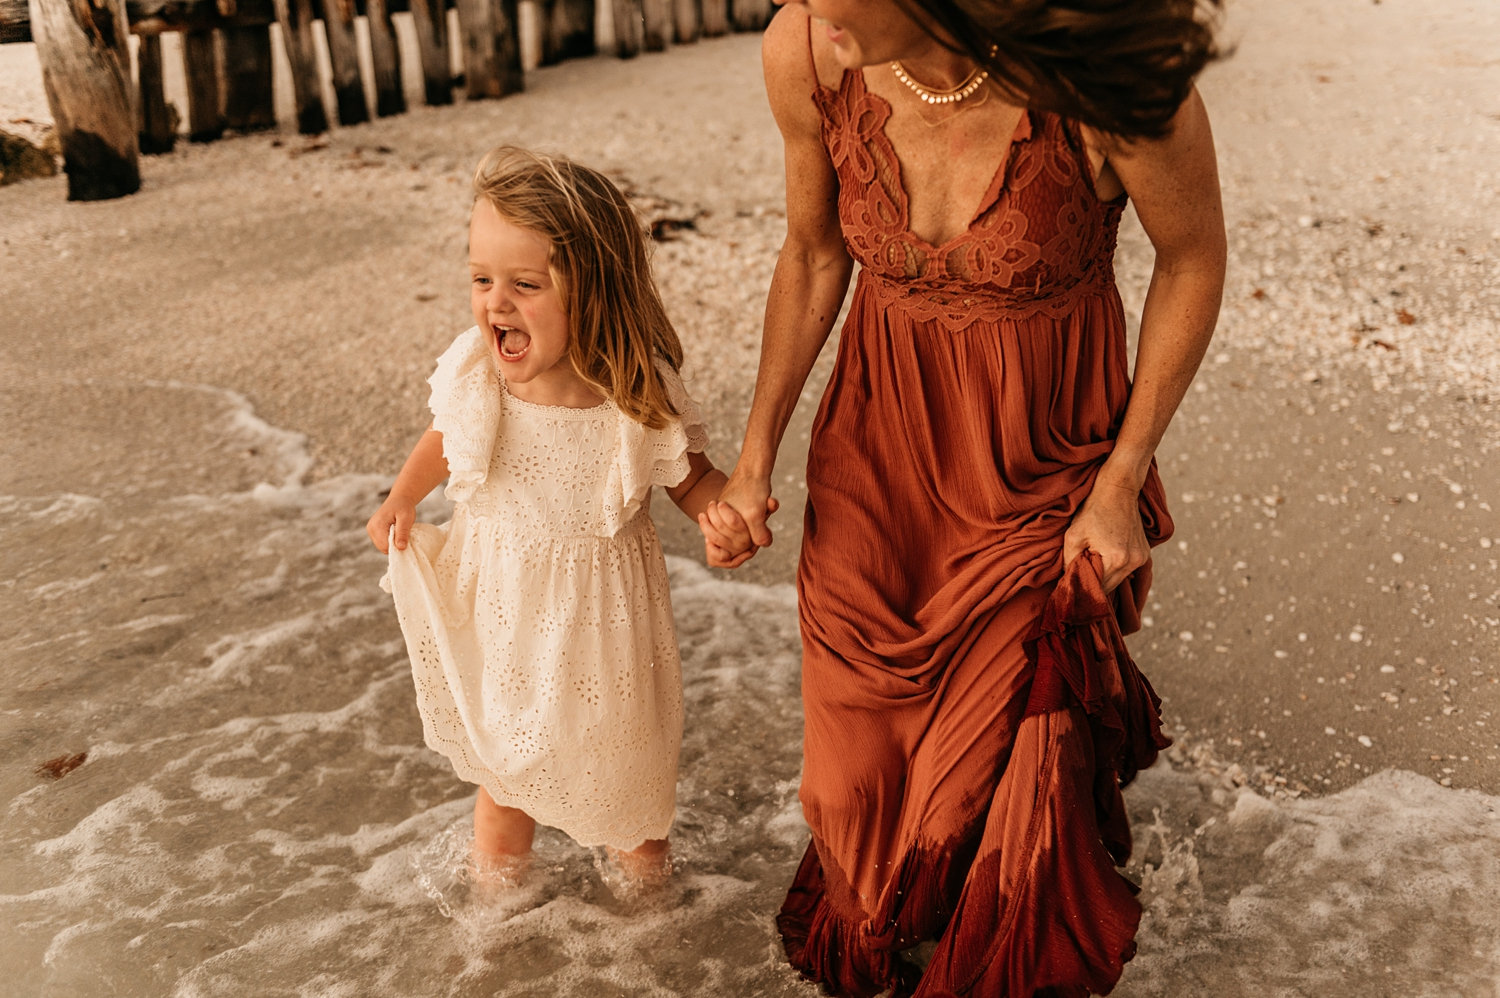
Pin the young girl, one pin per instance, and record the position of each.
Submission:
(538, 619)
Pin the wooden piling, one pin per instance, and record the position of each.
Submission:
(567, 30)
(629, 27)
(475, 23)
(390, 98)
(343, 57)
(750, 15)
(85, 60)
(431, 20)
(200, 63)
(685, 21)
(715, 18)
(158, 132)
(656, 24)
(505, 21)
(296, 18)
(248, 100)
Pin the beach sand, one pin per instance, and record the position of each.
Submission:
(1329, 608)
(1328, 472)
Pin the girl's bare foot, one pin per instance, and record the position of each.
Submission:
(639, 871)
(493, 875)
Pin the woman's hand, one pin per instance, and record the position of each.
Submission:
(1109, 524)
(726, 535)
(397, 511)
(749, 496)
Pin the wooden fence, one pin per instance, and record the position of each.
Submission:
(105, 118)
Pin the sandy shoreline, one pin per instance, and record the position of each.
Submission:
(1333, 577)
(207, 384)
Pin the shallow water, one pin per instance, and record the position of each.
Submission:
(256, 804)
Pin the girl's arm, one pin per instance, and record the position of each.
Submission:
(811, 275)
(726, 537)
(1174, 183)
(424, 470)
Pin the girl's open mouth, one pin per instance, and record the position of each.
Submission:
(513, 342)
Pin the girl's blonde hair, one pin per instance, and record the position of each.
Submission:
(616, 321)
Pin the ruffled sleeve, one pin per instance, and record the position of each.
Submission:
(645, 457)
(465, 404)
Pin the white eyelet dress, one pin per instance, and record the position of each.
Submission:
(538, 619)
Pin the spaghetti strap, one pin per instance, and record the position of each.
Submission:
(811, 62)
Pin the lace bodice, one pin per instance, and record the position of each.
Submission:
(1040, 238)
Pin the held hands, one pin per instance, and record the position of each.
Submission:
(734, 525)
(397, 511)
(1109, 524)
(726, 535)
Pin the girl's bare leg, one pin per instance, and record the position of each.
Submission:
(501, 831)
(502, 847)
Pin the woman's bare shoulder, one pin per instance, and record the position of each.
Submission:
(790, 77)
(798, 54)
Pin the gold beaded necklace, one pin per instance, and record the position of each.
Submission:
(952, 95)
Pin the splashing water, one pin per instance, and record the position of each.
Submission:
(256, 811)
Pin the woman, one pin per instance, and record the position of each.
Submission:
(981, 473)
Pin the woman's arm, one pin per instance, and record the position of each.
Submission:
(726, 538)
(424, 470)
(1174, 183)
(811, 275)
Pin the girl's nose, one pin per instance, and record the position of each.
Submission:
(496, 300)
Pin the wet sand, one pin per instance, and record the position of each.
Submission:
(1329, 607)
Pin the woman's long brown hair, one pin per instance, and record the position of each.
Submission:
(616, 321)
(1122, 66)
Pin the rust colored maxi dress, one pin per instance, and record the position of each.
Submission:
(971, 714)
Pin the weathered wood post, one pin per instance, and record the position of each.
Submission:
(430, 18)
(751, 15)
(295, 18)
(474, 25)
(492, 47)
(629, 27)
(656, 24)
(158, 132)
(83, 48)
(715, 18)
(200, 61)
(248, 102)
(567, 30)
(389, 97)
(343, 57)
(685, 21)
(506, 15)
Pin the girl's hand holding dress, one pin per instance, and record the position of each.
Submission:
(423, 471)
(396, 512)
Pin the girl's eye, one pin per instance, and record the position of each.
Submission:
(477, 279)
(526, 286)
